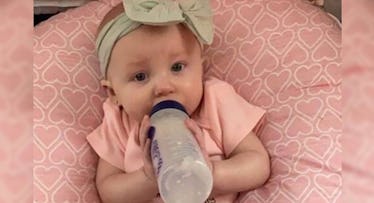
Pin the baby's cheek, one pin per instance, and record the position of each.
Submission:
(140, 113)
(131, 111)
(194, 100)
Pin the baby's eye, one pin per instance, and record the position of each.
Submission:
(140, 77)
(176, 67)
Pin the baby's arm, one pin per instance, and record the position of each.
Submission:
(246, 168)
(114, 185)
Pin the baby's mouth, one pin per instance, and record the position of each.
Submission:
(166, 99)
(163, 100)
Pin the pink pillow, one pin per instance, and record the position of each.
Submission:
(281, 55)
(15, 105)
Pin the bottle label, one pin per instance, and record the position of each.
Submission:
(173, 144)
(181, 149)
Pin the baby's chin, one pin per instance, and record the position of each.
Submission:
(135, 116)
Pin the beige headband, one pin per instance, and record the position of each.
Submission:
(196, 14)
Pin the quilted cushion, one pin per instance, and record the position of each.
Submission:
(281, 55)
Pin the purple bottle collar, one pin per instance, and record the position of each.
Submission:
(167, 104)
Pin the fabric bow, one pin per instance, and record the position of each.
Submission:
(196, 14)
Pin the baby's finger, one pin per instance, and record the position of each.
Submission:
(144, 126)
(148, 159)
(137, 138)
(195, 129)
(147, 150)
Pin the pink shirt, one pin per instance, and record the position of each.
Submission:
(224, 117)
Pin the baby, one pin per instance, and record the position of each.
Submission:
(151, 51)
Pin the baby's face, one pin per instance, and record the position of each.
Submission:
(153, 64)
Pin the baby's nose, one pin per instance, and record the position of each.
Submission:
(164, 86)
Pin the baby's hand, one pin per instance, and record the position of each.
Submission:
(145, 144)
(196, 131)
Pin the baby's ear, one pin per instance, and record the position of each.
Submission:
(107, 85)
(204, 59)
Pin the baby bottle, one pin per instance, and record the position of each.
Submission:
(182, 173)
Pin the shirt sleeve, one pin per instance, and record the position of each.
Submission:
(109, 139)
(231, 117)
